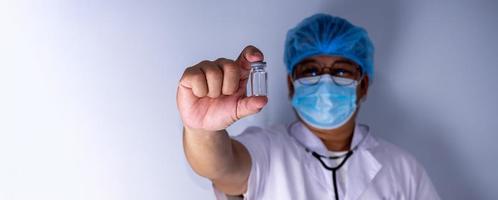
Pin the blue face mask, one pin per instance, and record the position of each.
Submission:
(324, 105)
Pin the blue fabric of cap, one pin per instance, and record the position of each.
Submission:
(323, 34)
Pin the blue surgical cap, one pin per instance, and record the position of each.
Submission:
(323, 34)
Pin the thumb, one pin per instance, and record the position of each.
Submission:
(249, 54)
(250, 105)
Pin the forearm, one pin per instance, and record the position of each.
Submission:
(210, 154)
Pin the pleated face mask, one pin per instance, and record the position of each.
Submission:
(324, 105)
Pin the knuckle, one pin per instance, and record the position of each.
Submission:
(226, 64)
(230, 67)
(188, 71)
(213, 72)
(222, 60)
(189, 74)
(231, 71)
(198, 78)
(204, 62)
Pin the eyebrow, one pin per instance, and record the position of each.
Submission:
(307, 60)
(340, 60)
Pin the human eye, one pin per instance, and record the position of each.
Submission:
(343, 73)
(345, 70)
(308, 70)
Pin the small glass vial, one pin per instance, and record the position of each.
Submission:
(258, 79)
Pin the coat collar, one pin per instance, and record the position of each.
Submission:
(362, 166)
(310, 141)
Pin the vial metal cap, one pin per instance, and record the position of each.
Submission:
(259, 64)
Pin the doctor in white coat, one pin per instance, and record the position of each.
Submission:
(326, 154)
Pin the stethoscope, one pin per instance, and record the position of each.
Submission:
(320, 158)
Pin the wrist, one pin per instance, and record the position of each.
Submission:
(201, 131)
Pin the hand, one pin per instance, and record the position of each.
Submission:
(212, 94)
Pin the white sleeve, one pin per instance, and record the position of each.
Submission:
(421, 187)
(425, 189)
(257, 142)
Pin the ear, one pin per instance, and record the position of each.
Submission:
(290, 86)
(363, 89)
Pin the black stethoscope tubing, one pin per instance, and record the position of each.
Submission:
(332, 169)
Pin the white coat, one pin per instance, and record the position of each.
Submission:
(282, 169)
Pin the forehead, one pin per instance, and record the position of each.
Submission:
(325, 59)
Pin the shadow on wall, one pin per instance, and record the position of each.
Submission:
(388, 117)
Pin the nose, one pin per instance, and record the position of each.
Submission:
(327, 69)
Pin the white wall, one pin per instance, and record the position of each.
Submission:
(87, 89)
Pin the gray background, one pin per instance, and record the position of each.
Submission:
(87, 89)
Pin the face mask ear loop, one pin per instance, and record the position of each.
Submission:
(364, 98)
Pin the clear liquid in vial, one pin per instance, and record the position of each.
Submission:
(258, 79)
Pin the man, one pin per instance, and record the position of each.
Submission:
(325, 154)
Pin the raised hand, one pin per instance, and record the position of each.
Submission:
(212, 94)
